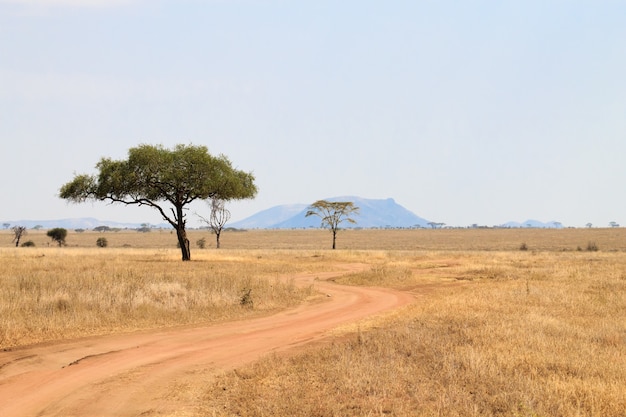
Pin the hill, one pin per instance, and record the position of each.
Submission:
(373, 213)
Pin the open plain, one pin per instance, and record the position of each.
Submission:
(468, 322)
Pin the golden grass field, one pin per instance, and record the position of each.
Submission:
(494, 331)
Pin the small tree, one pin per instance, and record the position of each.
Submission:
(102, 242)
(217, 219)
(436, 225)
(332, 214)
(58, 235)
(18, 232)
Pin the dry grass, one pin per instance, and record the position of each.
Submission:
(520, 334)
(55, 293)
(607, 239)
(495, 331)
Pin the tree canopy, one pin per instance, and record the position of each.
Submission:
(58, 235)
(163, 179)
(332, 214)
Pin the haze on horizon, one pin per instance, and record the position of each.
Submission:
(464, 112)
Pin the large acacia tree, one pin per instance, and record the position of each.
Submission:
(332, 214)
(167, 180)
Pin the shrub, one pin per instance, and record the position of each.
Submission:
(592, 247)
(523, 246)
(28, 244)
(201, 243)
(246, 298)
(102, 242)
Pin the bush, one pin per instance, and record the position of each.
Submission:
(28, 244)
(523, 246)
(246, 298)
(102, 242)
(592, 247)
(201, 243)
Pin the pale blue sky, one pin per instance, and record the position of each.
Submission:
(462, 111)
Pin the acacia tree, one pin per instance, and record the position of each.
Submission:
(218, 218)
(167, 180)
(58, 235)
(18, 232)
(332, 214)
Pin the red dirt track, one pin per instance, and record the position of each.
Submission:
(143, 374)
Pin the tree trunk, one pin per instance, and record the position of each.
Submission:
(183, 242)
(334, 237)
(217, 239)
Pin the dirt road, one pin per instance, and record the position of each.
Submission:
(145, 374)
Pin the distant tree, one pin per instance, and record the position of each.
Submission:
(6, 225)
(218, 217)
(163, 179)
(58, 235)
(614, 224)
(18, 232)
(332, 214)
(145, 228)
(436, 225)
(102, 229)
(37, 227)
(589, 225)
(557, 224)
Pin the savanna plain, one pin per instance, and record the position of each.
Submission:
(504, 322)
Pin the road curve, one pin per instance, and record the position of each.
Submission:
(134, 374)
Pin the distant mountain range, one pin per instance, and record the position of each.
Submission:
(373, 213)
(86, 223)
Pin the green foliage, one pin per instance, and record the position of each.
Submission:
(102, 242)
(153, 173)
(28, 244)
(333, 213)
(57, 235)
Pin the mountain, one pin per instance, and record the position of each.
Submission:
(372, 213)
(82, 223)
(269, 218)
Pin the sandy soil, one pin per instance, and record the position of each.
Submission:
(145, 374)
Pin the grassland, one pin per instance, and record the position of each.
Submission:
(494, 331)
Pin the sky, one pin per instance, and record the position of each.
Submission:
(464, 112)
